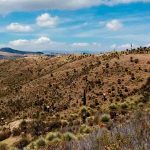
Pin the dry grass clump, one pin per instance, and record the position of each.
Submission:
(3, 146)
(130, 135)
(84, 129)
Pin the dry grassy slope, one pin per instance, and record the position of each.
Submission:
(28, 84)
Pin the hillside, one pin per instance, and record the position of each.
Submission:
(71, 93)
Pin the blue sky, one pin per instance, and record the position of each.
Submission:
(74, 26)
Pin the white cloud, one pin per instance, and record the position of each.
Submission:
(114, 25)
(123, 46)
(22, 42)
(30, 5)
(46, 44)
(16, 27)
(46, 20)
(19, 42)
(80, 44)
(42, 40)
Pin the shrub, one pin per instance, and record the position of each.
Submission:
(73, 117)
(84, 113)
(148, 62)
(140, 105)
(53, 135)
(5, 134)
(16, 132)
(113, 107)
(132, 77)
(131, 59)
(31, 146)
(105, 118)
(136, 61)
(85, 129)
(90, 120)
(40, 142)
(83, 109)
(126, 89)
(69, 136)
(64, 123)
(54, 124)
(23, 124)
(113, 114)
(107, 65)
(80, 136)
(56, 140)
(119, 81)
(76, 122)
(23, 142)
(124, 106)
(146, 70)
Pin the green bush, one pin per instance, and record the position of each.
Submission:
(84, 109)
(69, 136)
(31, 146)
(84, 113)
(53, 135)
(56, 140)
(105, 118)
(40, 142)
(124, 106)
(113, 107)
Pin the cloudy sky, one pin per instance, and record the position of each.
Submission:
(74, 25)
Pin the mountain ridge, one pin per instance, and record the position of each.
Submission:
(14, 51)
(9, 53)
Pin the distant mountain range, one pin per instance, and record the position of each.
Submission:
(12, 53)
(10, 50)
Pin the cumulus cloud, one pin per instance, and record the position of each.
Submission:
(16, 27)
(22, 42)
(30, 5)
(44, 43)
(114, 25)
(46, 20)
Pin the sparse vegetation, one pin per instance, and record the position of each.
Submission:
(76, 101)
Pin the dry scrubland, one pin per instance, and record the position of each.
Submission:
(76, 102)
